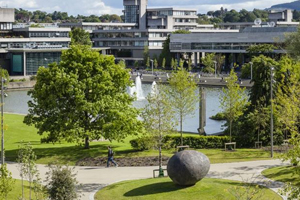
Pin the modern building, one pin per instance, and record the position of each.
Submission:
(24, 50)
(235, 43)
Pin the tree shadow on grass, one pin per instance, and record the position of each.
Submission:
(154, 188)
(66, 154)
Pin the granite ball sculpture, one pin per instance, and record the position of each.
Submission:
(187, 167)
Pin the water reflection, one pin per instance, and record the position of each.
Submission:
(16, 102)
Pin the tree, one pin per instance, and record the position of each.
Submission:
(292, 42)
(4, 74)
(147, 62)
(28, 169)
(233, 100)
(157, 116)
(208, 61)
(80, 37)
(146, 55)
(259, 117)
(82, 97)
(262, 78)
(183, 95)
(173, 63)
(163, 64)
(6, 181)
(155, 63)
(26, 160)
(220, 59)
(61, 183)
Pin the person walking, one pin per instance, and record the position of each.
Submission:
(111, 157)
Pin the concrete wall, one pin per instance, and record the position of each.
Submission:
(20, 85)
(143, 14)
(7, 14)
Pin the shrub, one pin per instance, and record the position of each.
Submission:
(61, 183)
(33, 78)
(142, 143)
(197, 142)
(218, 116)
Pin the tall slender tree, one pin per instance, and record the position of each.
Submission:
(183, 96)
(233, 100)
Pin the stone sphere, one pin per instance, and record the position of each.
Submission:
(188, 167)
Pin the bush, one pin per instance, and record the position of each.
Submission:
(218, 116)
(61, 183)
(142, 143)
(197, 142)
(33, 78)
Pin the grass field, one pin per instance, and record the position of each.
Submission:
(164, 188)
(16, 193)
(70, 153)
(284, 174)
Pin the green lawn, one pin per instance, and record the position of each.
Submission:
(16, 193)
(70, 152)
(284, 174)
(163, 188)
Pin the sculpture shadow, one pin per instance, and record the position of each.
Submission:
(154, 188)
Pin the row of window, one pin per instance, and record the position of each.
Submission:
(37, 45)
(6, 26)
(35, 60)
(185, 20)
(130, 35)
(48, 34)
(129, 44)
(170, 13)
(210, 46)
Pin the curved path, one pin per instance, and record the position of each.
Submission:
(94, 178)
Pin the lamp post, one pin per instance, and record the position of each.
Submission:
(151, 65)
(251, 64)
(2, 124)
(215, 68)
(271, 123)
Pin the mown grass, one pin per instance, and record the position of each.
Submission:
(16, 193)
(70, 153)
(164, 188)
(284, 174)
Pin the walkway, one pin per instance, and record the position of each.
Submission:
(94, 178)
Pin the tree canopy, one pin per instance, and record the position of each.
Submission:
(80, 37)
(82, 97)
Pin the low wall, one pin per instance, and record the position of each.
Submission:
(20, 85)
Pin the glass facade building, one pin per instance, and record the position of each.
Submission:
(34, 60)
(131, 14)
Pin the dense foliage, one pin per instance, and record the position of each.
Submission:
(83, 97)
(38, 16)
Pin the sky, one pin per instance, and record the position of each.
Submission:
(100, 7)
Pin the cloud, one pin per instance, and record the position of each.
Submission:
(99, 7)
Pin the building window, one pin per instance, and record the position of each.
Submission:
(131, 14)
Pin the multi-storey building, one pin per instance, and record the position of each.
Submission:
(24, 50)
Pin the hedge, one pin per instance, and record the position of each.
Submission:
(197, 142)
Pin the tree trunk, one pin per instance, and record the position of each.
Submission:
(181, 130)
(86, 143)
(230, 129)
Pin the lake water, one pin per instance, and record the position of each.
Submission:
(16, 102)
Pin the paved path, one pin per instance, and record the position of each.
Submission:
(94, 178)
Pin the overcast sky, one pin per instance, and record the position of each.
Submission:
(99, 7)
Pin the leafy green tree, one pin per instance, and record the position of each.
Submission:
(208, 61)
(157, 116)
(292, 42)
(232, 16)
(80, 37)
(183, 95)
(262, 79)
(4, 74)
(163, 64)
(61, 183)
(233, 100)
(261, 49)
(26, 160)
(190, 65)
(155, 63)
(82, 97)
(220, 59)
(259, 117)
(172, 63)
(146, 56)
(147, 62)
(6, 182)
